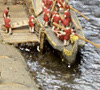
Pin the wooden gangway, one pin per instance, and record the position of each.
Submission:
(19, 19)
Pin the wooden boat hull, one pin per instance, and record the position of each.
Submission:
(68, 54)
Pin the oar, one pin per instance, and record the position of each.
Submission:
(54, 4)
(96, 45)
(75, 10)
(80, 13)
(74, 22)
(39, 13)
(62, 3)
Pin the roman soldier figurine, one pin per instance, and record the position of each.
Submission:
(56, 19)
(67, 14)
(6, 11)
(65, 22)
(7, 24)
(32, 23)
(67, 6)
(46, 17)
(47, 3)
(67, 36)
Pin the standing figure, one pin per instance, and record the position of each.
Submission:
(46, 17)
(67, 15)
(67, 6)
(7, 24)
(32, 23)
(65, 22)
(47, 3)
(56, 19)
(6, 11)
(67, 36)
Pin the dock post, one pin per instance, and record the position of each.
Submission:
(42, 35)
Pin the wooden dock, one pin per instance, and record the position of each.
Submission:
(21, 34)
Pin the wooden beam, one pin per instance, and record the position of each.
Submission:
(80, 13)
(42, 35)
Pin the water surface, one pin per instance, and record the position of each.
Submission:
(52, 74)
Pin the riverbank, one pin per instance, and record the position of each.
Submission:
(14, 70)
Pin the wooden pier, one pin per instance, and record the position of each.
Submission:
(20, 34)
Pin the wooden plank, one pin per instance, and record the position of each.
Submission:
(19, 24)
(16, 31)
(19, 20)
(20, 36)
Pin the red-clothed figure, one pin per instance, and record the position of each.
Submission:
(68, 32)
(7, 24)
(47, 3)
(60, 4)
(67, 6)
(6, 11)
(65, 22)
(67, 36)
(61, 37)
(31, 23)
(56, 19)
(46, 17)
(67, 14)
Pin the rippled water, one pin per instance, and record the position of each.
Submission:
(52, 74)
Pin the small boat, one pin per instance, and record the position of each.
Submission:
(69, 52)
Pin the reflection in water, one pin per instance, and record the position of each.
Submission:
(52, 74)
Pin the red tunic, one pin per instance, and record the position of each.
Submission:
(67, 36)
(61, 37)
(47, 3)
(57, 19)
(65, 22)
(68, 19)
(7, 23)
(46, 16)
(67, 14)
(5, 12)
(31, 23)
(67, 6)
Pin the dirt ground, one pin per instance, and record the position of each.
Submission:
(14, 70)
